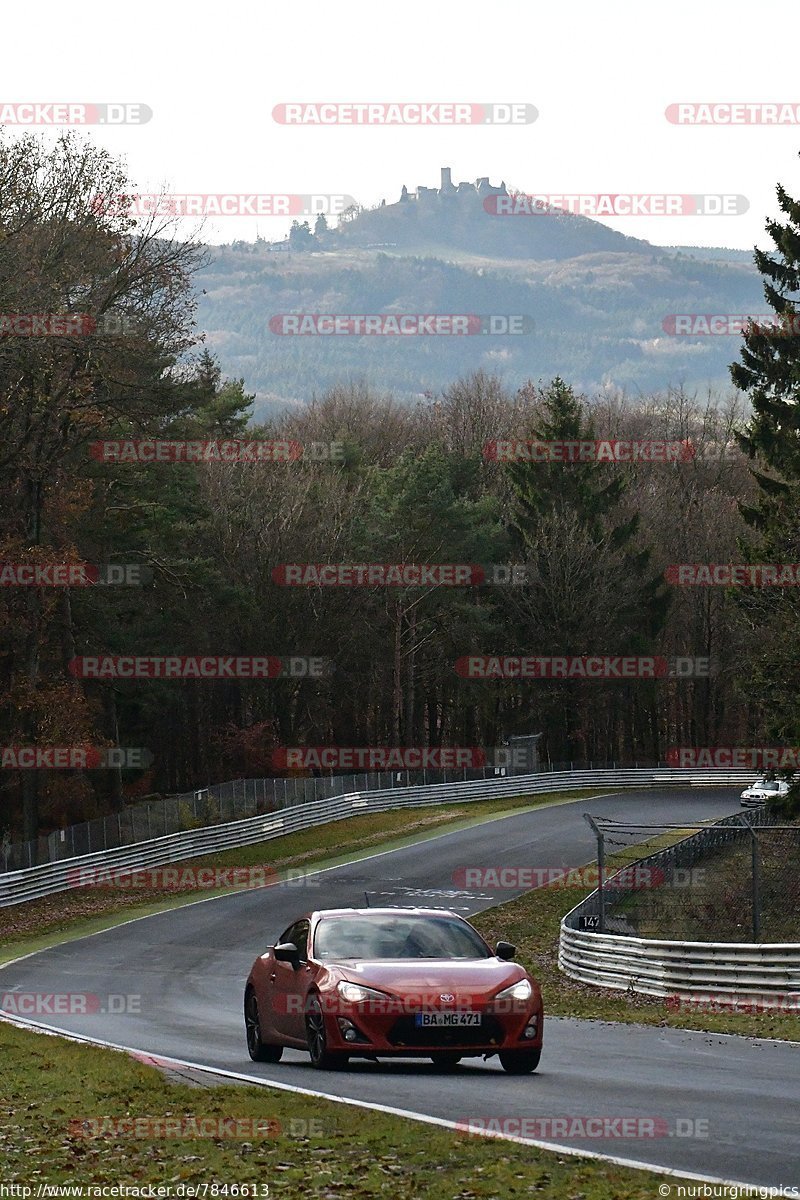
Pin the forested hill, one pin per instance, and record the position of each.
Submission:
(599, 302)
(468, 221)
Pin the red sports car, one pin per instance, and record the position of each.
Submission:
(391, 982)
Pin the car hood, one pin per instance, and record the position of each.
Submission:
(479, 977)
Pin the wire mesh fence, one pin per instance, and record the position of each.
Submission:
(240, 798)
(737, 880)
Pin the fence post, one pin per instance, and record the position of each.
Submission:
(755, 877)
(756, 886)
(601, 867)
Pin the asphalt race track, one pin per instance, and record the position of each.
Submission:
(189, 966)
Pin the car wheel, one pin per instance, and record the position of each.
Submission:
(259, 1051)
(317, 1037)
(445, 1060)
(519, 1062)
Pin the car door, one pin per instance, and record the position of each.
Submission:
(289, 985)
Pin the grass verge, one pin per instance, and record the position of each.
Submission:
(38, 924)
(50, 1084)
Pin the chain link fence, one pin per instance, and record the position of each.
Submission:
(235, 800)
(735, 881)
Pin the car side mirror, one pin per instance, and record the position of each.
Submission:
(505, 950)
(287, 952)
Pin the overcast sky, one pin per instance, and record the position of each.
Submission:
(599, 75)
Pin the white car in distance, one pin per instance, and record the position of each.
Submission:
(763, 790)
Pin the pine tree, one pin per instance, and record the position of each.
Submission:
(770, 368)
(770, 372)
(591, 589)
(584, 486)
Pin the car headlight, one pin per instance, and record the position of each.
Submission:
(517, 991)
(354, 993)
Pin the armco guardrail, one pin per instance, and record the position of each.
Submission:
(32, 883)
(222, 803)
(237, 799)
(767, 974)
(695, 971)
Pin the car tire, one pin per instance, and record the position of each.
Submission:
(445, 1060)
(317, 1039)
(259, 1051)
(519, 1062)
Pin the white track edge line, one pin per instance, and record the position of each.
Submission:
(407, 1114)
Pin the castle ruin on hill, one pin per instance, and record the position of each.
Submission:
(447, 188)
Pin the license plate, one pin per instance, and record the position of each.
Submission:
(448, 1019)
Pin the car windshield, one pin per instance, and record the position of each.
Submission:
(382, 937)
(765, 785)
